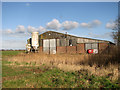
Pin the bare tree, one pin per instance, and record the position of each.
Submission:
(116, 32)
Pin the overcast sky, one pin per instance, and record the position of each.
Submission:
(84, 19)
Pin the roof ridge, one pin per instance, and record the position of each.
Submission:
(77, 36)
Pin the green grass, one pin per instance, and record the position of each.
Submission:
(10, 53)
(15, 76)
(44, 77)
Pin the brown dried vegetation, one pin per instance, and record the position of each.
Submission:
(105, 64)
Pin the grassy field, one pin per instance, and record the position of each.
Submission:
(10, 53)
(20, 70)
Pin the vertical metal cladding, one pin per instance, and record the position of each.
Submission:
(35, 38)
(46, 46)
(49, 46)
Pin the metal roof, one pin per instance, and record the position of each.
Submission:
(76, 36)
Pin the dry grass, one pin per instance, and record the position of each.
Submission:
(41, 58)
(95, 64)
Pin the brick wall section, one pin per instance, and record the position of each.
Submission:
(71, 49)
(61, 49)
(40, 49)
(103, 47)
(81, 48)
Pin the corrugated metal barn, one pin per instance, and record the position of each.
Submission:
(54, 42)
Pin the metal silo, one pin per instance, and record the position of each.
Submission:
(35, 40)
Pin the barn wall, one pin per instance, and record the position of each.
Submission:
(66, 49)
(58, 42)
(62, 42)
(91, 46)
(78, 43)
(62, 39)
(71, 49)
(84, 40)
(40, 42)
(61, 49)
(103, 47)
(40, 49)
(81, 48)
(52, 35)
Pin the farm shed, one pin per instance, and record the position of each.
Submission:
(54, 42)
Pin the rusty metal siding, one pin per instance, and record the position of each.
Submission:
(92, 41)
(67, 42)
(94, 45)
(58, 42)
(88, 46)
(74, 41)
(55, 35)
(86, 40)
(40, 42)
(62, 42)
(91, 46)
(81, 40)
(63, 39)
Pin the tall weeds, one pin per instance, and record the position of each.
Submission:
(98, 64)
(104, 59)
